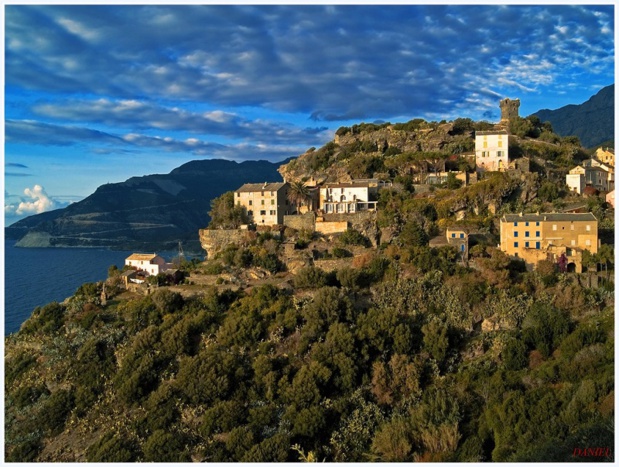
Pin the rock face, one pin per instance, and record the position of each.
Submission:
(153, 212)
(214, 241)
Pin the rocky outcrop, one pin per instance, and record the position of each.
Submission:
(214, 241)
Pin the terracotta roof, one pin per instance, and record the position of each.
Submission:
(347, 185)
(141, 257)
(254, 187)
(549, 216)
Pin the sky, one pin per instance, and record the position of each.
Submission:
(98, 94)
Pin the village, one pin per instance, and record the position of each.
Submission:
(330, 208)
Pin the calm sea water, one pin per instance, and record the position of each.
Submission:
(37, 276)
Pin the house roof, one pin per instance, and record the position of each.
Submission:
(141, 257)
(347, 185)
(492, 132)
(549, 216)
(267, 186)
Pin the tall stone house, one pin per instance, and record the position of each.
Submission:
(548, 236)
(265, 203)
(492, 150)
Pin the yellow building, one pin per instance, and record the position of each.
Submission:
(536, 237)
(605, 156)
(265, 203)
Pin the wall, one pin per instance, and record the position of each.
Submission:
(301, 222)
(327, 228)
(214, 241)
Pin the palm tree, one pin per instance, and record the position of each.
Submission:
(299, 194)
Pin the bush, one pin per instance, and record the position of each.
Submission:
(162, 446)
(354, 237)
(112, 447)
(338, 252)
(310, 277)
(213, 268)
(47, 320)
(55, 411)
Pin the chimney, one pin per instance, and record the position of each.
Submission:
(264, 186)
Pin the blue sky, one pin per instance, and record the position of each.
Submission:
(97, 94)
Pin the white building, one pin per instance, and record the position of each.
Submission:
(348, 197)
(150, 263)
(575, 180)
(491, 150)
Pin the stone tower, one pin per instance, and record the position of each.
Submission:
(509, 110)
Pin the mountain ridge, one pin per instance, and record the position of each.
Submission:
(133, 213)
(592, 121)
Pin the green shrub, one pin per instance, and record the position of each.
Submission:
(310, 277)
(55, 411)
(47, 319)
(17, 366)
(112, 447)
(354, 237)
(338, 252)
(27, 395)
(212, 268)
(162, 446)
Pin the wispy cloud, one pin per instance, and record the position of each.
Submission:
(300, 59)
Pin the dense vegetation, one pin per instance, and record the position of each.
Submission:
(401, 352)
(383, 359)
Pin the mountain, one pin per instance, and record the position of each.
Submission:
(592, 121)
(146, 213)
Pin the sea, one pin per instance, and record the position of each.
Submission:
(37, 276)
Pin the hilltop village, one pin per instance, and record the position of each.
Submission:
(318, 204)
(409, 292)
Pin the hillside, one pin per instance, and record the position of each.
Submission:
(147, 213)
(379, 343)
(398, 354)
(592, 121)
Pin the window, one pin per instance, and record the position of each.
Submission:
(272, 202)
(537, 233)
(461, 235)
(262, 193)
(499, 153)
(573, 242)
(571, 226)
(515, 244)
(461, 247)
(526, 224)
(526, 234)
(237, 194)
(515, 233)
(485, 144)
(537, 224)
(250, 213)
(554, 226)
(272, 213)
(453, 235)
(262, 202)
(515, 224)
(526, 244)
(588, 228)
(263, 213)
(500, 143)
(251, 202)
(537, 245)
(588, 242)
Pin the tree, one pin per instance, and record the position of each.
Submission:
(225, 215)
(299, 194)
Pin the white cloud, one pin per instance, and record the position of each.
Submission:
(36, 201)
